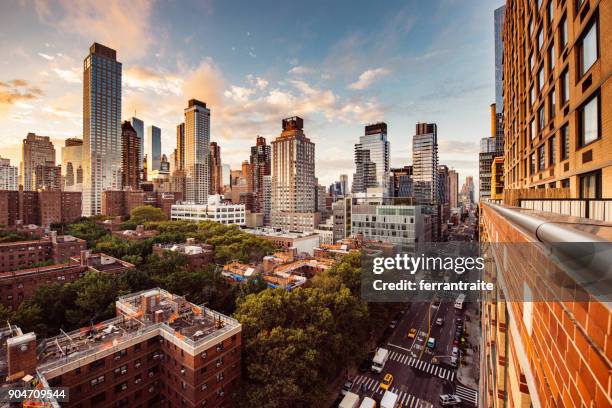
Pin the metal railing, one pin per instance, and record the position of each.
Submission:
(594, 209)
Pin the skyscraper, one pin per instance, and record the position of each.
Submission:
(72, 161)
(453, 183)
(293, 179)
(401, 179)
(48, 177)
(153, 148)
(8, 175)
(498, 28)
(425, 163)
(36, 151)
(130, 163)
(138, 126)
(197, 144)
(372, 159)
(180, 147)
(215, 169)
(101, 126)
(260, 167)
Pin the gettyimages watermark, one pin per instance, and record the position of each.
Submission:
(524, 272)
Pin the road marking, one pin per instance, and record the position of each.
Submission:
(467, 394)
(399, 347)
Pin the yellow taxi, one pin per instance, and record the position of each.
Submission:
(412, 333)
(386, 382)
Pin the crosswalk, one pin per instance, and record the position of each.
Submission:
(422, 365)
(467, 394)
(373, 385)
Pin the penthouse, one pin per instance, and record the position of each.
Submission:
(160, 350)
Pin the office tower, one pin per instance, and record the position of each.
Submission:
(372, 159)
(344, 184)
(72, 153)
(35, 151)
(197, 144)
(267, 198)
(47, 177)
(293, 179)
(485, 158)
(260, 167)
(401, 182)
(153, 148)
(498, 29)
(8, 175)
(101, 126)
(453, 183)
(556, 132)
(130, 163)
(444, 195)
(180, 146)
(215, 169)
(138, 126)
(425, 163)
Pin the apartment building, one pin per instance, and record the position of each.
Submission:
(120, 203)
(159, 351)
(215, 210)
(557, 91)
(39, 207)
(25, 254)
(198, 256)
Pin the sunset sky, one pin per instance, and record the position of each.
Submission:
(338, 64)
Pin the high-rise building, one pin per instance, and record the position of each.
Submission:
(153, 148)
(72, 162)
(425, 163)
(260, 167)
(557, 79)
(130, 158)
(372, 159)
(180, 147)
(293, 179)
(101, 125)
(48, 177)
(8, 175)
(453, 187)
(498, 116)
(138, 126)
(36, 151)
(344, 188)
(267, 198)
(401, 181)
(197, 144)
(215, 169)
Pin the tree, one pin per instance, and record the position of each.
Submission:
(146, 213)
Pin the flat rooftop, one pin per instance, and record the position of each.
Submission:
(271, 232)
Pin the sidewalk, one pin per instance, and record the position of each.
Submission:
(468, 373)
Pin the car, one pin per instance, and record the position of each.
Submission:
(347, 387)
(431, 343)
(455, 352)
(459, 321)
(454, 361)
(412, 333)
(440, 321)
(393, 324)
(386, 382)
(449, 399)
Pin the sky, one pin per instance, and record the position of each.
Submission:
(340, 65)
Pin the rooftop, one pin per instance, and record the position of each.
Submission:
(271, 232)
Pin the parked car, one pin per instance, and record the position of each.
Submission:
(393, 324)
(440, 321)
(346, 388)
(412, 333)
(449, 399)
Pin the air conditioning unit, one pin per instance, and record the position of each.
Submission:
(204, 387)
(151, 374)
(203, 354)
(123, 372)
(151, 389)
(219, 363)
(117, 357)
(221, 394)
(138, 381)
(183, 371)
(124, 387)
(137, 365)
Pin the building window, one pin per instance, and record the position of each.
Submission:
(532, 129)
(541, 79)
(563, 33)
(541, 117)
(541, 158)
(588, 49)
(551, 12)
(552, 156)
(590, 185)
(540, 39)
(565, 183)
(551, 59)
(532, 164)
(530, 28)
(531, 62)
(531, 96)
(564, 87)
(551, 105)
(588, 121)
(565, 142)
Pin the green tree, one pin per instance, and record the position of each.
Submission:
(146, 213)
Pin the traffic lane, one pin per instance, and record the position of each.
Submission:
(413, 318)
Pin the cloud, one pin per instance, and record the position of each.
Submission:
(259, 82)
(141, 78)
(73, 75)
(368, 77)
(46, 56)
(239, 93)
(16, 90)
(299, 70)
(448, 146)
(125, 26)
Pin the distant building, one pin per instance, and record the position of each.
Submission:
(36, 151)
(497, 178)
(372, 159)
(215, 170)
(198, 255)
(453, 183)
(72, 164)
(215, 210)
(39, 207)
(8, 175)
(425, 163)
(260, 162)
(197, 145)
(122, 202)
(130, 159)
(401, 181)
(153, 148)
(138, 126)
(302, 242)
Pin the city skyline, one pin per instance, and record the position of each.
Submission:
(243, 73)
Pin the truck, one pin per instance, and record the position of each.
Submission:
(350, 400)
(380, 359)
(368, 403)
(459, 301)
(389, 400)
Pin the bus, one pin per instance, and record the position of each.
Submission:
(459, 301)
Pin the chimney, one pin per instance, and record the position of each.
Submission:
(21, 356)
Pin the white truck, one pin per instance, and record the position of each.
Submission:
(389, 400)
(380, 359)
(350, 400)
(368, 403)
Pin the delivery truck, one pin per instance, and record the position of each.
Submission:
(389, 400)
(350, 400)
(380, 359)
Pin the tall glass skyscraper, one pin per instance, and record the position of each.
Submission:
(138, 126)
(425, 163)
(498, 27)
(153, 148)
(101, 126)
(197, 145)
(372, 159)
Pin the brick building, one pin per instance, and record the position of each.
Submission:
(52, 248)
(160, 351)
(39, 207)
(120, 203)
(198, 255)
